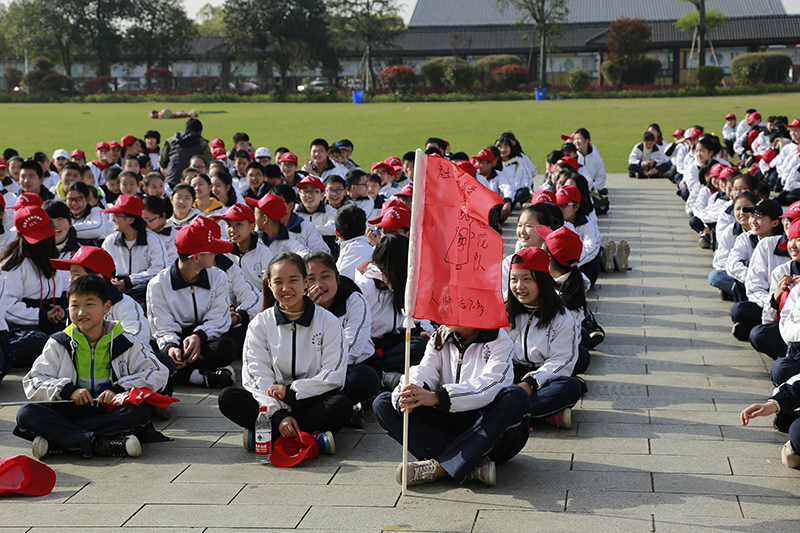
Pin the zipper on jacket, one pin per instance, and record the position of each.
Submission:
(91, 371)
(130, 260)
(194, 304)
(458, 368)
(525, 340)
(294, 351)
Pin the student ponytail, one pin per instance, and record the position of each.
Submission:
(572, 291)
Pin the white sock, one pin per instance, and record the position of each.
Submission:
(195, 378)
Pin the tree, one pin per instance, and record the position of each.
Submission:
(703, 21)
(99, 22)
(548, 16)
(211, 21)
(161, 31)
(57, 17)
(293, 33)
(628, 40)
(374, 23)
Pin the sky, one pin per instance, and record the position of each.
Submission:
(407, 6)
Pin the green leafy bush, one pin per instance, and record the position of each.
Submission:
(639, 72)
(485, 66)
(44, 80)
(398, 78)
(510, 76)
(13, 77)
(579, 80)
(710, 77)
(434, 69)
(459, 76)
(768, 67)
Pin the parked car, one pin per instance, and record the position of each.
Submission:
(314, 86)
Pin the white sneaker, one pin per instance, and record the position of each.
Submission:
(788, 457)
(485, 472)
(419, 472)
(610, 249)
(623, 252)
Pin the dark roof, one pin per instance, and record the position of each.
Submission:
(202, 46)
(750, 32)
(459, 13)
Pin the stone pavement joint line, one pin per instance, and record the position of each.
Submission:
(655, 446)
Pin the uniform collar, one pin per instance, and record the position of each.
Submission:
(305, 318)
(179, 283)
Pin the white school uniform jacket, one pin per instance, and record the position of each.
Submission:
(739, 256)
(245, 298)
(595, 167)
(174, 306)
(728, 132)
(25, 282)
(517, 174)
(332, 168)
(6, 236)
(789, 324)
(589, 233)
(308, 356)
(181, 222)
(132, 363)
(463, 381)
(352, 254)
(129, 314)
(253, 261)
(286, 241)
(367, 205)
(678, 155)
(94, 225)
(725, 241)
(497, 182)
(553, 350)
(306, 232)
(3, 303)
(324, 218)
(766, 257)
(98, 172)
(529, 166)
(352, 310)
(142, 261)
(769, 314)
(167, 235)
(637, 153)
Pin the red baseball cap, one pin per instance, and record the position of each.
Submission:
(208, 223)
(197, 239)
(89, 257)
(407, 191)
(219, 153)
(3, 163)
(239, 212)
(33, 224)
(755, 118)
(792, 233)
(270, 205)
(128, 204)
(768, 155)
(288, 157)
(792, 212)
(751, 136)
(730, 115)
(679, 132)
(794, 124)
(394, 219)
(217, 143)
(533, 258)
(2, 202)
(693, 133)
(102, 146)
(113, 144)
(466, 166)
(289, 452)
(395, 162)
(716, 170)
(545, 195)
(569, 161)
(567, 194)
(563, 244)
(26, 199)
(485, 155)
(381, 164)
(385, 207)
(23, 475)
(77, 153)
(127, 140)
(727, 171)
(311, 181)
(569, 137)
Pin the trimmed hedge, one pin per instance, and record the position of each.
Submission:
(710, 77)
(639, 72)
(579, 80)
(485, 66)
(434, 69)
(766, 67)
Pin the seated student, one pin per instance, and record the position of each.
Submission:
(354, 246)
(31, 180)
(6, 361)
(273, 176)
(35, 307)
(269, 211)
(263, 155)
(320, 164)
(394, 218)
(241, 159)
(154, 185)
(204, 201)
(374, 191)
(256, 186)
(130, 162)
(6, 236)
(152, 141)
(189, 310)
(222, 187)
(314, 210)
(783, 404)
(92, 358)
(128, 183)
(288, 166)
(546, 339)
(241, 143)
(342, 297)
(564, 247)
(719, 277)
(91, 225)
(63, 232)
(155, 216)
(529, 218)
(465, 415)
(383, 282)
(765, 337)
(110, 184)
(334, 192)
(646, 159)
(294, 362)
(569, 200)
(383, 170)
(398, 179)
(249, 253)
(70, 173)
(102, 163)
(305, 230)
(497, 182)
(729, 132)
(183, 210)
(589, 157)
(517, 172)
(712, 201)
(356, 189)
(138, 252)
(409, 160)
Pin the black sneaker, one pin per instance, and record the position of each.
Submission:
(42, 448)
(596, 333)
(584, 388)
(784, 419)
(357, 419)
(389, 380)
(740, 331)
(218, 378)
(127, 446)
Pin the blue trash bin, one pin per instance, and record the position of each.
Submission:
(541, 94)
(358, 97)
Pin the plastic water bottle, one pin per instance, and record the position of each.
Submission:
(263, 436)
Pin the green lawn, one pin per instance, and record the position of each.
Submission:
(379, 130)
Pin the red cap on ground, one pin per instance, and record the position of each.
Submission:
(23, 475)
(89, 257)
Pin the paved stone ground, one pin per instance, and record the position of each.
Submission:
(656, 444)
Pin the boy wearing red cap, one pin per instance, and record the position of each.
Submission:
(288, 165)
(729, 132)
(317, 212)
(497, 182)
(92, 358)
(249, 253)
(269, 211)
(189, 310)
(101, 163)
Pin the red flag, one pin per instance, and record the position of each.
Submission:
(456, 257)
(138, 395)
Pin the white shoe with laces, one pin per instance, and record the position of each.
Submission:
(419, 472)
